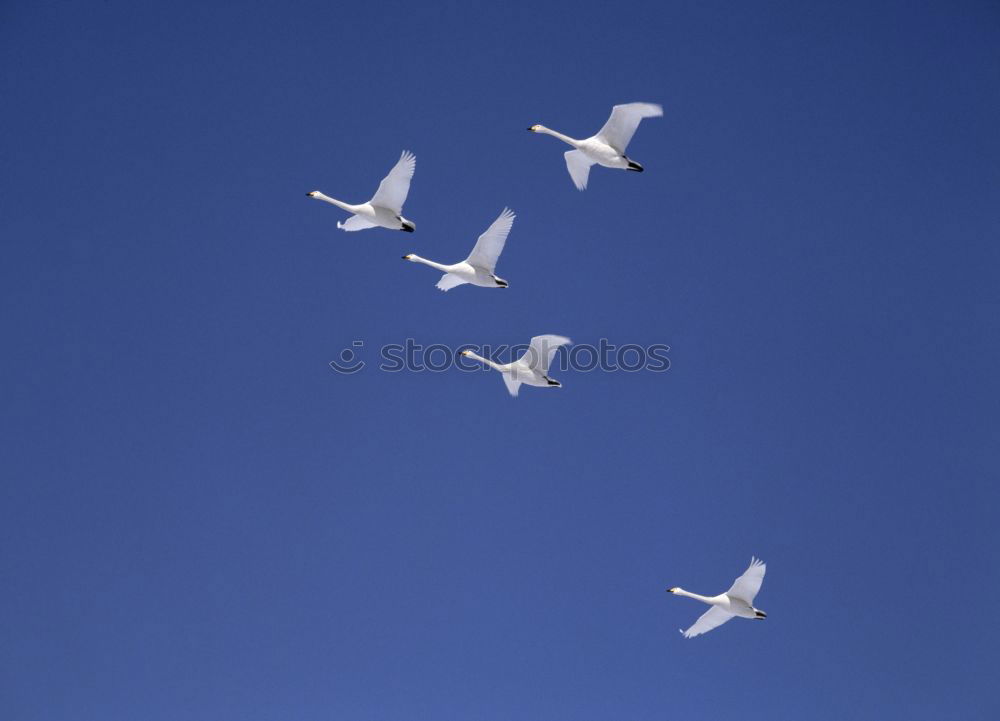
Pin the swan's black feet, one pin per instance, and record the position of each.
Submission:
(632, 165)
(406, 229)
(552, 382)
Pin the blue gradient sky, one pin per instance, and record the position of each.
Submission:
(201, 521)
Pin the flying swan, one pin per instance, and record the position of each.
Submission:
(479, 266)
(532, 367)
(386, 206)
(737, 601)
(607, 148)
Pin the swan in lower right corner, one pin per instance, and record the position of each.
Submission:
(532, 367)
(478, 268)
(737, 601)
(607, 148)
(385, 209)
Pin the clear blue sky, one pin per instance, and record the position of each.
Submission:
(200, 520)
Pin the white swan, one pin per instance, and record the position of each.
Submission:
(607, 148)
(532, 367)
(737, 601)
(479, 266)
(386, 206)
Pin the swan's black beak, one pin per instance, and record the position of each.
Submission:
(406, 257)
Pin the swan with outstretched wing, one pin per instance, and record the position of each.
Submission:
(608, 146)
(532, 368)
(385, 209)
(737, 601)
(480, 267)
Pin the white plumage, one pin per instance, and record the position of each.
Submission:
(608, 146)
(479, 268)
(737, 601)
(531, 368)
(385, 209)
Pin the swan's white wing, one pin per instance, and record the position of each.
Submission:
(490, 244)
(578, 165)
(746, 586)
(394, 187)
(449, 281)
(513, 386)
(620, 128)
(540, 351)
(355, 222)
(712, 618)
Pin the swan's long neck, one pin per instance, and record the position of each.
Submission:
(417, 259)
(565, 138)
(695, 596)
(333, 201)
(487, 361)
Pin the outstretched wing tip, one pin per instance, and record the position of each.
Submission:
(552, 337)
(449, 281)
(578, 165)
(486, 252)
(395, 186)
(649, 110)
(625, 118)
